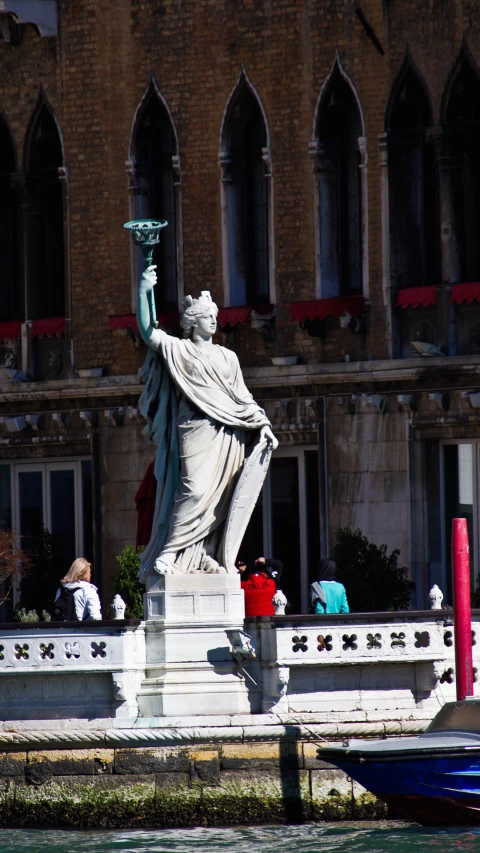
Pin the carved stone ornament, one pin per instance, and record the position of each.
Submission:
(55, 363)
(242, 648)
(117, 607)
(119, 687)
(10, 360)
(435, 597)
(280, 602)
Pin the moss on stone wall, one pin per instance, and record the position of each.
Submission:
(177, 787)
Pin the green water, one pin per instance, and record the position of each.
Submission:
(310, 838)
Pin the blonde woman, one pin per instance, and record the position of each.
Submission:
(76, 584)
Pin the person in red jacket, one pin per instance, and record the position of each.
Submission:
(259, 586)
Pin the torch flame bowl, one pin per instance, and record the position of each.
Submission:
(146, 232)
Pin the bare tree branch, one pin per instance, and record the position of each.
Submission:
(14, 563)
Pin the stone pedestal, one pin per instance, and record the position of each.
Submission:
(190, 669)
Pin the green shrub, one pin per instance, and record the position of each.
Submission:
(126, 582)
(372, 578)
(23, 615)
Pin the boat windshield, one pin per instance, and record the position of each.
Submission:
(457, 716)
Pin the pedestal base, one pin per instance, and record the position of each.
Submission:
(190, 668)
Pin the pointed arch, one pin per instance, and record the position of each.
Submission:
(337, 71)
(154, 166)
(8, 151)
(462, 83)
(246, 197)
(409, 105)
(152, 90)
(461, 140)
(45, 215)
(340, 186)
(414, 237)
(43, 119)
(11, 291)
(243, 82)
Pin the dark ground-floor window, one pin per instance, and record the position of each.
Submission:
(453, 492)
(51, 498)
(285, 522)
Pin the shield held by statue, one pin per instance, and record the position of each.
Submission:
(247, 490)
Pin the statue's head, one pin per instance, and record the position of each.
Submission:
(199, 313)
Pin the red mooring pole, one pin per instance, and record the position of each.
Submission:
(462, 614)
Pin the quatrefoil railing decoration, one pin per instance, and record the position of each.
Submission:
(422, 639)
(374, 641)
(22, 652)
(474, 642)
(2, 649)
(47, 651)
(299, 644)
(72, 650)
(349, 642)
(447, 676)
(324, 643)
(98, 649)
(448, 638)
(398, 640)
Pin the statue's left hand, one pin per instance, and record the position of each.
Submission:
(148, 279)
(266, 433)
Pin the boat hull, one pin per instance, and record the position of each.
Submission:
(433, 790)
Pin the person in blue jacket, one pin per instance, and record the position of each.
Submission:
(328, 595)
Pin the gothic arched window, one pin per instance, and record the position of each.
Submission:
(11, 287)
(155, 165)
(339, 128)
(462, 132)
(414, 246)
(244, 160)
(44, 219)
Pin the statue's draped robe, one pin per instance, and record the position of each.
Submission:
(199, 413)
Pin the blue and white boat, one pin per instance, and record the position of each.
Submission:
(433, 779)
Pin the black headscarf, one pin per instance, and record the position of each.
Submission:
(327, 571)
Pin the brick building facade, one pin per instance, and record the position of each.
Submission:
(302, 152)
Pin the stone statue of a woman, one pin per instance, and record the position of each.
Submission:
(203, 419)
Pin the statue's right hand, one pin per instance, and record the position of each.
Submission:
(148, 279)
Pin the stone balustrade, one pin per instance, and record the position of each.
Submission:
(355, 668)
(358, 664)
(71, 669)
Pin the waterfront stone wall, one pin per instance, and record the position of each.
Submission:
(266, 774)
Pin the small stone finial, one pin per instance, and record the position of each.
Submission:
(117, 607)
(279, 602)
(436, 597)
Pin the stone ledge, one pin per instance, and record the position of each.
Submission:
(117, 738)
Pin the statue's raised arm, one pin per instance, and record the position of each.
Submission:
(145, 321)
(214, 441)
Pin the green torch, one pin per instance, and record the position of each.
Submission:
(146, 233)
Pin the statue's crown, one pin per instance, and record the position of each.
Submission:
(201, 303)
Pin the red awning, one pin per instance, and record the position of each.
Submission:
(49, 327)
(232, 316)
(469, 292)
(337, 306)
(122, 321)
(413, 297)
(168, 320)
(263, 308)
(129, 321)
(10, 329)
